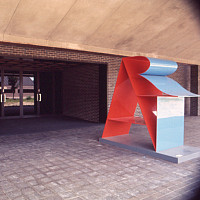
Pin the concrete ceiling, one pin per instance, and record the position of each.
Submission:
(168, 29)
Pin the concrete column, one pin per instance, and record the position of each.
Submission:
(194, 88)
(199, 90)
(54, 91)
(21, 92)
(2, 91)
(38, 92)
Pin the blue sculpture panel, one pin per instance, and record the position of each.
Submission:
(169, 86)
(170, 122)
(161, 67)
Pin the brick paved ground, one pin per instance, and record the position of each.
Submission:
(55, 159)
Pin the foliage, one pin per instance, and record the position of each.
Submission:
(28, 98)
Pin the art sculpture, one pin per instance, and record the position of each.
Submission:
(144, 81)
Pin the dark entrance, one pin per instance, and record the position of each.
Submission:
(49, 87)
(51, 91)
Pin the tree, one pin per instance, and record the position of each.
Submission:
(12, 81)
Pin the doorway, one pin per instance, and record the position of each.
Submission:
(19, 96)
(51, 92)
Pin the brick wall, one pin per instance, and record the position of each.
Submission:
(81, 92)
(113, 63)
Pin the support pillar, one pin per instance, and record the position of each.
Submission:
(2, 91)
(199, 90)
(54, 91)
(21, 92)
(194, 89)
(38, 92)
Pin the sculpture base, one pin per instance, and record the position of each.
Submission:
(175, 155)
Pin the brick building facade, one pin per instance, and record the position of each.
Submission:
(87, 103)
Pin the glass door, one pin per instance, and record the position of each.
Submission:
(29, 107)
(11, 93)
(19, 93)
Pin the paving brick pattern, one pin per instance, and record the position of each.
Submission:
(68, 162)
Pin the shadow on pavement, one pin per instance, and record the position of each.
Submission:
(41, 124)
